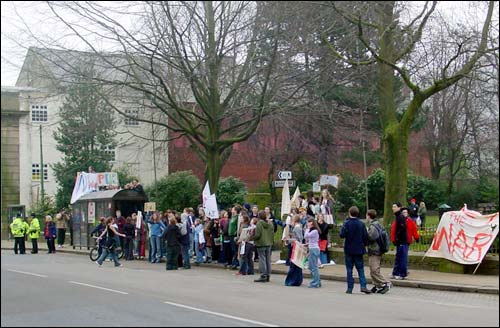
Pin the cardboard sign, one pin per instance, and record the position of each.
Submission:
(332, 180)
(150, 207)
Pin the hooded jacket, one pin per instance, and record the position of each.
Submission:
(264, 234)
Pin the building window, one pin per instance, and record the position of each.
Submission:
(108, 150)
(129, 121)
(39, 113)
(35, 172)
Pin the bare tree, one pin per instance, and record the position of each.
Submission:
(211, 70)
(394, 49)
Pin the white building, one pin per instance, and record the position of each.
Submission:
(49, 81)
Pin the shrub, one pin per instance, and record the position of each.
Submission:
(176, 191)
(230, 191)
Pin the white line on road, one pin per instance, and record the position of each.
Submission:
(33, 274)
(110, 290)
(223, 315)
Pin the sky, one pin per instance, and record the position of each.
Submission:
(20, 16)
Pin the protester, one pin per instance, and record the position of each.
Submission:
(129, 231)
(422, 212)
(185, 238)
(263, 242)
(294, 276)
(311, 237)
(324, 255)
(207, 226)
(61, 225)
(199, 240)
(232, 233)
(225, 247)
(413, 210)
(140, 236)
(287, 232)
(98, 230)
(34, 233)
(245, 250)
(403, 231)
(216, 240)
(157, 229)
(272, 219)
(375, 254)
(327, 206)
(120, 222)
(50, 234)
(110, 233)
(255, 214)
(190, 218)
(311, 204)
(19, 228)
(356, 238)
(173, 235)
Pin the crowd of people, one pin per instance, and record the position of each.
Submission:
(241, 236)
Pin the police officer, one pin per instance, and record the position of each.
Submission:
(19, 228)
(34, 233)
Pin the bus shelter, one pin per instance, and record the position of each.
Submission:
(90, 207)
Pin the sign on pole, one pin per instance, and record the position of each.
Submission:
(316, 186)
(150, 207)
(284, 175)
(332, 180)
(91, 211)
(281, 183)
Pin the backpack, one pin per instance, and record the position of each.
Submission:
(184, 227)
(383, 241)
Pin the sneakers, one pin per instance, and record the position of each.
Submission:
(365, 290)
(119, 265)
(375, 289)
(385, 289)
(399, 278)
(349, 291)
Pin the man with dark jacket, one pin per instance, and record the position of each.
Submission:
(356, 238)
(264, 238)
(403, 231)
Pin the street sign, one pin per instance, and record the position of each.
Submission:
(332, 180)
(281, 183)
(284, 175)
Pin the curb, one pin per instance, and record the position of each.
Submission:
(399, 283)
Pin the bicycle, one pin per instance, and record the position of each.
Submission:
(94, 251)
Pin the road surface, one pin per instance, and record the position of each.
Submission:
(70, 290)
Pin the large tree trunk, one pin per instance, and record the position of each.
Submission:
(396, 143)
(213, 168)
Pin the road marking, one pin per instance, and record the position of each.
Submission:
(223, 315)
(108, 289)
(33, 274)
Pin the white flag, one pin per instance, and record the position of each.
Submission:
(295, 199)
(285, 200)
(206, 194)
(211, 209)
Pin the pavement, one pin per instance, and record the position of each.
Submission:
(425, 279)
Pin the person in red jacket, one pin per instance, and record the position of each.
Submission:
(403, 232)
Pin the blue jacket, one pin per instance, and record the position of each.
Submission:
(157, 228)
(356, 237)
(50, 230)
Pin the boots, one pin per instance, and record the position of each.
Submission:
(262, 279)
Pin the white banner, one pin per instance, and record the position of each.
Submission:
(464, 236)
(295, 198)
(89, 182)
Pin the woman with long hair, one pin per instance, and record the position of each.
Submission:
(110, 233)
(312, 240)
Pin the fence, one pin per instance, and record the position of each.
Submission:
(426, 237)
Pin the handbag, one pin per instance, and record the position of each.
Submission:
(322, 245)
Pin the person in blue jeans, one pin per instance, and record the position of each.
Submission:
(312, 240)
(110, 233)
(356, 238)
(158, 229)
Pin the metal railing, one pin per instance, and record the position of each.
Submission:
(425, 241)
